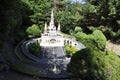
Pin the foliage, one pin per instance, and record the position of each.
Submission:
(11, 20)
(95, 40)
(16, 15)
(88, 14)
(104, 13)
(34, 48)
(70, 21)
(33, 31)
(88, 64)
(39, 8)
(92, 64)
(113, 70)
(99, 39)
(77, 29)
(70, 50)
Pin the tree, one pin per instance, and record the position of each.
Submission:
(33, 31)
(102, 13)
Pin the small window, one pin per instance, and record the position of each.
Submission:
(70, 42)
(47, 29)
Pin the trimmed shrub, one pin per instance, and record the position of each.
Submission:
(99, 39)
(113, 70)
(78, 29)
(88, 64)
(33, 31)
(85, 39)
(93, 64)
(70, 49)
(34, 48)
(95, 40)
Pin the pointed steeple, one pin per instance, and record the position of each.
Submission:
(45, 28)
(51, 25)
(58, 27)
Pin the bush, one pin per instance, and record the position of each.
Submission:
(33, 31)
(113, 70)
(84, 38)
(99, 39)
(88, 64)
(78, 29)
(95, 40)
(70, 49)
(92, 64)
(34, 48)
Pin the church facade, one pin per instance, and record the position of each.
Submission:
(52, 35)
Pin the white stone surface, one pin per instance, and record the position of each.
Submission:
(52, 35)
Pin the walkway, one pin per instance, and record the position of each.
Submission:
(113, 47)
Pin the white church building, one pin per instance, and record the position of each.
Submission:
(52, 36)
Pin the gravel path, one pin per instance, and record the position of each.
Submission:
(113, 47)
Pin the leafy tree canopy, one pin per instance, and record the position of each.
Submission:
(33, 31)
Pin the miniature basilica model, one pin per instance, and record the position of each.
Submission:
(52, 35)
(52, 62)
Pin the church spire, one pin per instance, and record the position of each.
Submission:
(45, 28)
(51, 25)
(58, 27)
